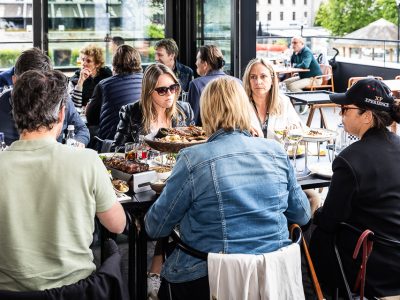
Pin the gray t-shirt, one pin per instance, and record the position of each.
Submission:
(48, 199)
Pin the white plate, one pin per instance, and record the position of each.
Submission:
(321, 169)
(323, 134)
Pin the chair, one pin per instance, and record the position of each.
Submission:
(353, 80)
(105, 284)
(327, 80)
(295, 231)
(366, 239)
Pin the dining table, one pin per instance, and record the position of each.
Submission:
(136, 208)
(282, 70)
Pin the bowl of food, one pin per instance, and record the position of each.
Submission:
(157, 186)
(120, 186)
(163, 172)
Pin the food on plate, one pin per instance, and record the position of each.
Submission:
(300, 150)
(120, 185)
(180, 134)
(314, 132)
(161, 169)
(126, 166)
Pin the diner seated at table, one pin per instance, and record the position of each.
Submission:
(303, 58)
(209, 65)
(273, 110)
(364, 192)
(93, 70)
(50, 194)
(124, 87)
(233, 194)
(158, 107)
(35, 59)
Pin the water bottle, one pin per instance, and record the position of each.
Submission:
(2, 142)
(70, 140)
(341, 139)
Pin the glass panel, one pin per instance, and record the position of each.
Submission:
(213, 21)
(74, 24)
(15, 30)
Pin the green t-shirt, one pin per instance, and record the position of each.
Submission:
(49, 195)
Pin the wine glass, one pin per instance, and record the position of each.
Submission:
(281, 133)
(294, 137)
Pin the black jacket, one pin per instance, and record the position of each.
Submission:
(364, 192)
(108, 98)
(90, 83)
(130, 123)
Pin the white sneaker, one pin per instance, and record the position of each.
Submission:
(153, 285)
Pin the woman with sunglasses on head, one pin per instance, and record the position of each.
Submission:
(364, 192)
(93, 70)
(158, 107)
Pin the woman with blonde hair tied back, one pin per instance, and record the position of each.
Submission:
(220, 189)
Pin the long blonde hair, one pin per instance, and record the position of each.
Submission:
(273, 103)
(224, 104)
(150, 78)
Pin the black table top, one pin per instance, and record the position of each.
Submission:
(311, 97)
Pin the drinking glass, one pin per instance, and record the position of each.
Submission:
(130, 151)
(294, 137)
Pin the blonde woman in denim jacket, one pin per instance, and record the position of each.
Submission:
(233, 194)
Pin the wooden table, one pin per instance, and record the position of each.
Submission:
(315, 100)
(280, 70)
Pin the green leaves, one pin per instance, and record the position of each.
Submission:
(344, 16)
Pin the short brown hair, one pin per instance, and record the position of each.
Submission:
(213, 56)
(96, 52)
(127, 60)
(224, 105)
(37, 98)
(32, 59)
(170, 46)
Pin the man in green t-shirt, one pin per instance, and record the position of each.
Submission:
(50, 193)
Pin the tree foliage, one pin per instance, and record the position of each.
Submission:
(344, 16)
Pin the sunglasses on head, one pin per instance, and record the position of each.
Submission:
(163, 90)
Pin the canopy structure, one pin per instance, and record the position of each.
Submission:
(381, 31)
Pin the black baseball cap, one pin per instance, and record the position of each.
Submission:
(367, 93)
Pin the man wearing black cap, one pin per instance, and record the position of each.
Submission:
(364, 191)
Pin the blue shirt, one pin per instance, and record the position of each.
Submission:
(233, 194)
(72, 117)
(306, 60)
(196, 86)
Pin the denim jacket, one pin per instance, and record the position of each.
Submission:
(233, 194)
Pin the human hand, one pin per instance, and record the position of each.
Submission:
(83, 75)
(256, 132)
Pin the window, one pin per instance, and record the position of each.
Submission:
(305, 2)
(294, 2)
(15, 30)
(269, 1)
(305, 14)
(281, 16)
(294, 16)
(257, 16)
(281, 2)
(74, 24)
(269, 16)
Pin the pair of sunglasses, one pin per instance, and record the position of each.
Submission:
(163, 90)
(343, 109)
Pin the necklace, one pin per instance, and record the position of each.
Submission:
(264, 125)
